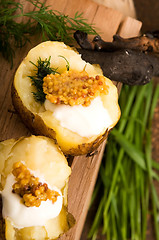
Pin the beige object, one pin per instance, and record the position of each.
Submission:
(41, 155)
(42, 121)
(124, 6)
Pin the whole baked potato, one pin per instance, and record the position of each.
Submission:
(27, 166)
(76, 108)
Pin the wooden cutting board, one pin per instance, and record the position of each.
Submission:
(84, 169)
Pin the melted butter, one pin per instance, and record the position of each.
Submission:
(22, 216)
(85, 121)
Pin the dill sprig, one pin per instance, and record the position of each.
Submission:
(12, 33)
(42, 69)
(48, 24)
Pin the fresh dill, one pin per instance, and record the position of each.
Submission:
(42, 69)
(44, 22)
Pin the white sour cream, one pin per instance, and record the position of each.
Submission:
(85, 121)
(22, 216)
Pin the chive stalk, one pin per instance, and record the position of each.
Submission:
(128, 171)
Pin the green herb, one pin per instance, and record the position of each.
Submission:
(42, 69)
(67, 63)
(42, 21)
(12, 33)
(128, 171)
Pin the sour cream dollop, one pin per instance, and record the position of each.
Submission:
(22, 216)
(85, 121)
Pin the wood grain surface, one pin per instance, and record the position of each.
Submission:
(84, 169)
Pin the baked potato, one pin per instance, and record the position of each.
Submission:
(76, 129)
(34, 158)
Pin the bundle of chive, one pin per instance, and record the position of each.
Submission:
(127, 173)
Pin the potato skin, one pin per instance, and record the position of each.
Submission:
(13, 150)
(37, 126)
(87, 148)
(41, 121)
(32, 121)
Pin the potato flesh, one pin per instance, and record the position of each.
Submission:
(49, 161)
(54, 49)
(66, 138)
(40, 154)
(52, 229)
(5, 148)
